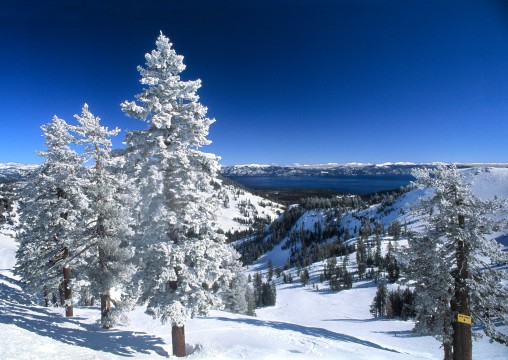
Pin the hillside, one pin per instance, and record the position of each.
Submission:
(486, 183)
(307, 322)
(240, 210)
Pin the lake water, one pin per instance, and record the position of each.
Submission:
(353, 184)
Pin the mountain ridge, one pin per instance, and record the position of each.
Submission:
(335, 169)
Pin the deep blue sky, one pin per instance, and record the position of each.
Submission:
(289, 81)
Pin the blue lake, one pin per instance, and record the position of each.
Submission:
(353, 184)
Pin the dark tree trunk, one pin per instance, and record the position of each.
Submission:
(448, 350)
(462, 340)
(448, 340)
(105, 309)
(61, 293)
(178, 337)
(89, 301)
(69, 311)
(177, 332)
(46, 296)
(103, 260)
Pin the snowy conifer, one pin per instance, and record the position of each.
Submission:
(49, 216)
(433, 287)
(182, 256)
(456, 263)
(235, 296)
(378, 306)
(105, 262)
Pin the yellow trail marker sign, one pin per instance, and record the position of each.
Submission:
(466, 319)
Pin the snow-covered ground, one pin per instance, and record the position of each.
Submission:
(239, 207)
(305, 324)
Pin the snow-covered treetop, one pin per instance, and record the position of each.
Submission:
(168, 101)
(94, 136)
(57, 139)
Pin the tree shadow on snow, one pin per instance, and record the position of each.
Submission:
(401, 333)
(15, 309)
(309, 331)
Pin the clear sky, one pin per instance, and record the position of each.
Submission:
(289, 81)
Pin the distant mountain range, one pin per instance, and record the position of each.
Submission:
(12, 172)
(335, 169)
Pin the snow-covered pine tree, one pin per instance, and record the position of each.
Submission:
(236, 295)
(105, 261)
(183, 258)
(462, 258)
(50, 209)
(433, 284)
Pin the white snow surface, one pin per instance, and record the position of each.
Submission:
(305, 324)
(253, 205)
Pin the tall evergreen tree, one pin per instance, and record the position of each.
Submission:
(181, 253)
(50, 209)
(105, 263)
(378, 306)
(236, 295)
(257, 284)
(461, 257)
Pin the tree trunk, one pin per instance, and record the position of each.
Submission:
(61, 293)
(69, 311)
(448, 350)
(178, 337)
(462, 340)
(105, 309)
(46, 296)
(177, 332)
(448, 339)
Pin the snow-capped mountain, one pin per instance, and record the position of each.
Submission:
(334, 169)
(12, 172)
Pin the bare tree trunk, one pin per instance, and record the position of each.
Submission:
(177, 332)
(46, 296)
(447, 340)
(61, 293)
(462, 340)
(106, 296)
(105, 309)
(178, 337)
(448, 350)
(69, 311)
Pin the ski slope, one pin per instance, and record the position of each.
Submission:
(305, 324)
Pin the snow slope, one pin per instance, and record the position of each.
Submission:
(305, 324)
(239, 208)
